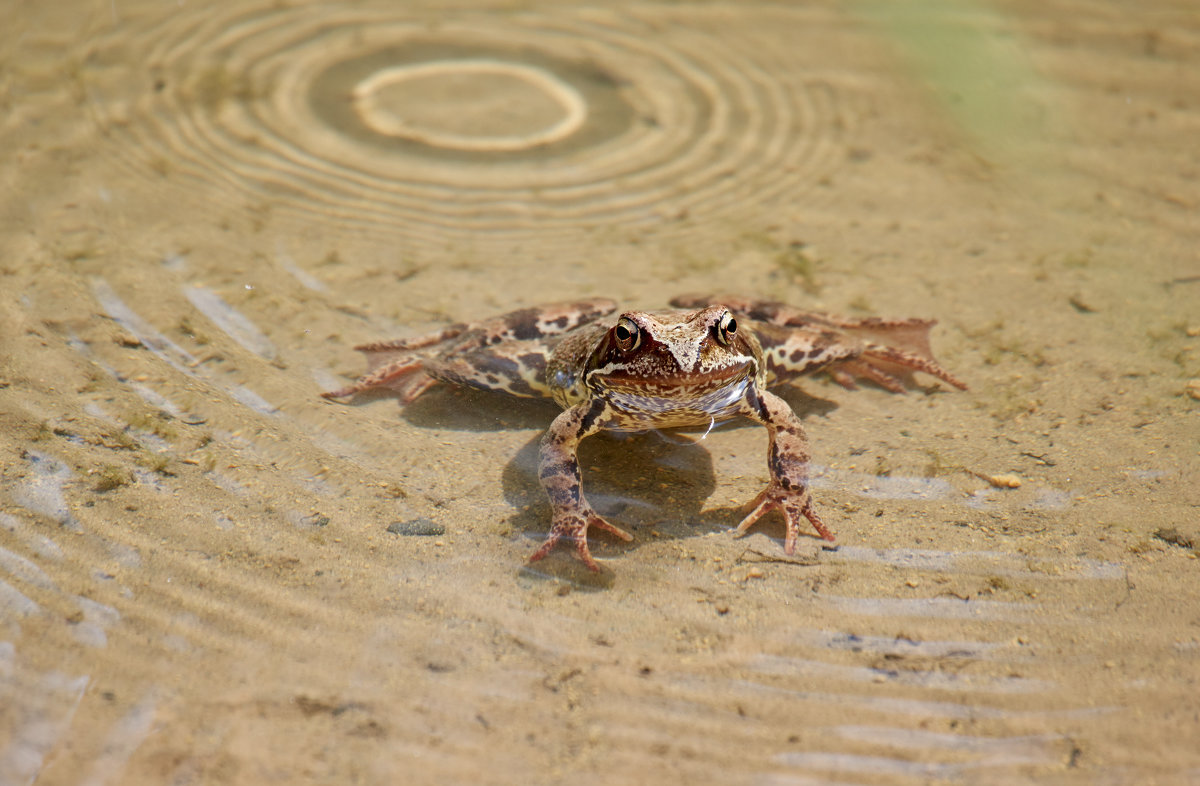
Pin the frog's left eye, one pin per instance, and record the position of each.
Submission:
(627, 334)
(727, 328)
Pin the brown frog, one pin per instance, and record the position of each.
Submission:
(711, 360)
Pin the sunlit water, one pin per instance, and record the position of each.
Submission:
(209, 204)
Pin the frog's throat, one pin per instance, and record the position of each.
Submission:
(692, 400)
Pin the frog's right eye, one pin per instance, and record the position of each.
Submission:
(627, 334)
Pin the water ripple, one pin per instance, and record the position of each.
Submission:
(508, 124)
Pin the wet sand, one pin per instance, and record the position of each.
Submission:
(208, 206)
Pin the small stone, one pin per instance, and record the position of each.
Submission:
(419, 527)
(1005, 481)
(1193, 388)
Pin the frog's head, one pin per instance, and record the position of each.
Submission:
(685, 358)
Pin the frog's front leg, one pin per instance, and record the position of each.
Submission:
(787, 459)
(559, 472)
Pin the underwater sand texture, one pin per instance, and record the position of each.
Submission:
(208, 574)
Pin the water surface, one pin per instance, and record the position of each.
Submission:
(209, 204)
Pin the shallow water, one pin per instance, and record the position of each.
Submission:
(209, 204)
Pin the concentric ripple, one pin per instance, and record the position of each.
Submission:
(449, 101)
(498, 122)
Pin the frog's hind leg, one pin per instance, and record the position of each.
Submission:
(492, 354)
(403, 372)
(887, 365)
(847, 373)
(399, 364)
(891, 348)
(510, 367)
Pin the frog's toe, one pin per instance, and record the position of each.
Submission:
(585, 555)
(345, 392)
(809, 512)
(547, 546)
(611, 529)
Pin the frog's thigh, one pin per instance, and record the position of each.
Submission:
(508, 367)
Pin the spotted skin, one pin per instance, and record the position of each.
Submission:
(712, 359)
(787, 459)
(558, 470)
(505, 353)
(798, 342)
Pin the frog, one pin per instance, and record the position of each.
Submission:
(708, 359)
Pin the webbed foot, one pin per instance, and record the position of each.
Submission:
(573, 525)
(794, 504)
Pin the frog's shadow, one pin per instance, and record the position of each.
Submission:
(653, 484)
(463, 409)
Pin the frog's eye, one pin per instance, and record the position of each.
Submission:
(627, 334)
(726, 328)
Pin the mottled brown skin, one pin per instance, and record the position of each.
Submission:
(711, 361)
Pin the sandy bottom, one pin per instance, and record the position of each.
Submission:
(207, 204)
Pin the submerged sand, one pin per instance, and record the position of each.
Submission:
(208, 574)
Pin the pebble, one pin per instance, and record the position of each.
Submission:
(422, 526)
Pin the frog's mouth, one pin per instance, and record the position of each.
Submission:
(677, 399)
(681, 382)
